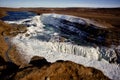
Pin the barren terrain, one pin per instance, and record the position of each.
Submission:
(60, 70)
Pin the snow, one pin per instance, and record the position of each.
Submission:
(44, 41)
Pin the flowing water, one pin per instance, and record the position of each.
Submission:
(64, 37)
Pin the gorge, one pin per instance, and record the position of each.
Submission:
(65, 37)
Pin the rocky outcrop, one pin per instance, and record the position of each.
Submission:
(40, 69)
(7, 69)
(59, 70)
(39, 61)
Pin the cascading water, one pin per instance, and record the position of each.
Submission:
(78, 36)
(63, 37)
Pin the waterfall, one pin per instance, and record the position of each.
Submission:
(42, 42)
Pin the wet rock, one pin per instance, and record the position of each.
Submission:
(39, 61)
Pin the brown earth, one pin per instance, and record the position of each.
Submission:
(40, 69)
(7, 30)
(3, 44)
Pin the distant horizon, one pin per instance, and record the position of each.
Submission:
(59, 7)
(60, 4)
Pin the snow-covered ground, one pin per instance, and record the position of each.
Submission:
(50, 38)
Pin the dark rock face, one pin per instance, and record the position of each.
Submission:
(7, 69)
(2, 61)
(39, 61)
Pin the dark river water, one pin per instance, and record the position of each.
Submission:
(76, 31)
(17, 15)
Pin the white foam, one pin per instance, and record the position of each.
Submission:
(33, 47)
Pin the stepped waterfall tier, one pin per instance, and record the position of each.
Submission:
(65, 37)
